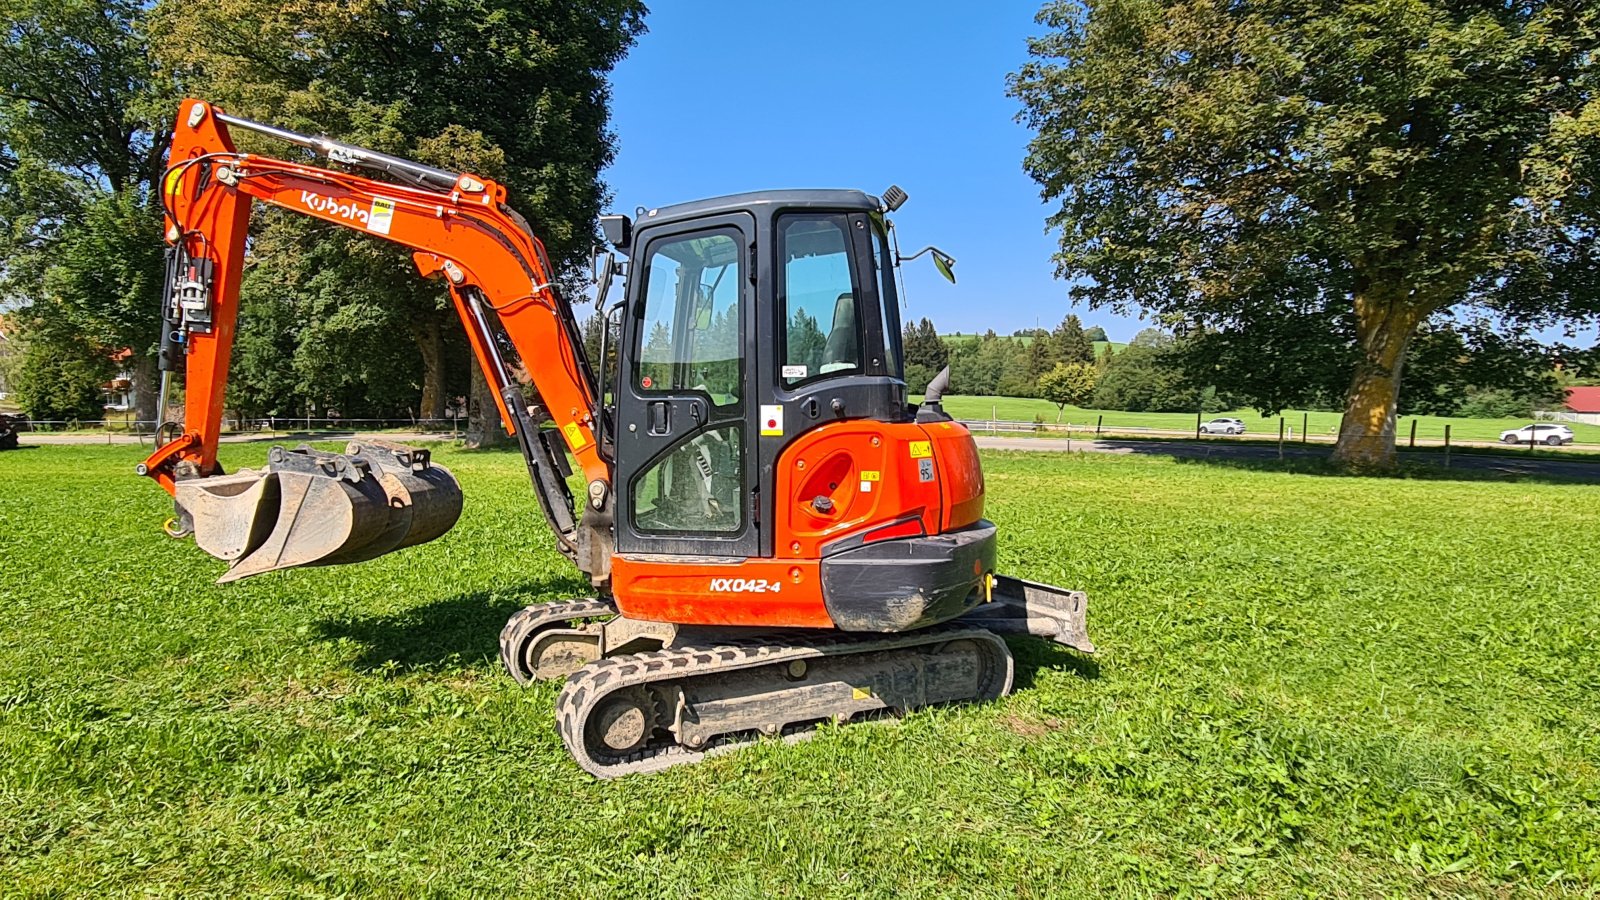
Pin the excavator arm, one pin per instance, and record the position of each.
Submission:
(501, 284)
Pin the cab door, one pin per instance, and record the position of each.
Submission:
(684, 398)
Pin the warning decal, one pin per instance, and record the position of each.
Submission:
(574, 434)
(772, 420)
(921, 449)
(380, 217)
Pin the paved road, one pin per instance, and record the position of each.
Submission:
(1508, 464)
(1218, 450)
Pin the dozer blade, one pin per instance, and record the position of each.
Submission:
(1017, 606)
(313, 508)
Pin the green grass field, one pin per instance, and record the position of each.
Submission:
(1308, 685)
(1324, 424)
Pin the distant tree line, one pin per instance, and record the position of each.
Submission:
(1455, 369)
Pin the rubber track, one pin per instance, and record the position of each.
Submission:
(531, 619)
(594, 682)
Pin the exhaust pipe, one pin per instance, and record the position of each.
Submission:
(314, 508)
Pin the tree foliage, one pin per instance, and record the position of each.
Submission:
(80, 246)
(1072, 343)
(1069, 384)
(59, 376)
(1244, 165)
(925, 354)
(513, 91)
(1150, 376)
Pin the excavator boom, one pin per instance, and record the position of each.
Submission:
(460, 231)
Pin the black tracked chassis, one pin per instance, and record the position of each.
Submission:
(645, 712)
(643, 696)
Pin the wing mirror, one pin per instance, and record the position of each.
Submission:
(944, 262)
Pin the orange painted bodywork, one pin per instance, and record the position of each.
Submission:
(871, 473)
(465, 236)
(777, 593)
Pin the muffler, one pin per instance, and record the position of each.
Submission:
(314, 508)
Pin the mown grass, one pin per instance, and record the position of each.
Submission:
(1308, 685)
(1320, 424)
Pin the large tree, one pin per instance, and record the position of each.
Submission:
(516, 91)
(80, 246)
(1266, 163)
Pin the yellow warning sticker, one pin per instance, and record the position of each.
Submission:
(860, 693)
(172, 185)
(921, 449)
(574, 434)
(871, 475)
(381, 216)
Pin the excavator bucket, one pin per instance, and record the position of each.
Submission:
(314, 508)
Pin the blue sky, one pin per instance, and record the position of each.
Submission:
(724, 96)
(721, 97)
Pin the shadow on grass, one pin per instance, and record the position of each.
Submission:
(460, 631)
(1414, 464)
(1033, 653)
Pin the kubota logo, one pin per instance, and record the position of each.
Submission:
(329, 206)
(745, 586)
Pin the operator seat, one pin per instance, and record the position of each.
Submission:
(841, 350)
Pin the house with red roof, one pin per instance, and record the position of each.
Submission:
(1583, 405)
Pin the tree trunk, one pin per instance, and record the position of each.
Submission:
(146, 390)
(1383, 330)
(483, 414)
(430, 344)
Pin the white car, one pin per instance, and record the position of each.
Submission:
(1223, 426)
(1554, 435)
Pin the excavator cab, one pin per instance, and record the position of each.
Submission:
(747, 321)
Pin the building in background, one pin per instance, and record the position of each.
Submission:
(1583, 405)
(119, 390)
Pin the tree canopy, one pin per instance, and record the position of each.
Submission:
(80, 245)
(513, 90)
(1321, 178)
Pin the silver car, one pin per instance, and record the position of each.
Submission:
(1223, 426)
(1554, 435)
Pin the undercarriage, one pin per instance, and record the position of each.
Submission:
(645, 696)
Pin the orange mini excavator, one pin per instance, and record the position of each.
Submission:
(775, 537)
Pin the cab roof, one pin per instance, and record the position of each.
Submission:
(758, 202)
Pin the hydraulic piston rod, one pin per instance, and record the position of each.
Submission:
(352, 155)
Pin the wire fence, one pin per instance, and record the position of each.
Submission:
(146, 429)
(1284, 430)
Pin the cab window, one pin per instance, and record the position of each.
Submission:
(689, 337)
(822, 334)
(889, 312)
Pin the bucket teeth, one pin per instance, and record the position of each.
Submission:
(314, 508)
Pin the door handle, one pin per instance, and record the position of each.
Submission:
(697, 412)
(660, 418)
